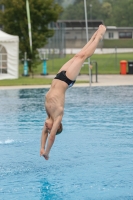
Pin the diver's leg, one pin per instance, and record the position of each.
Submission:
(78, 60)
(67, 64)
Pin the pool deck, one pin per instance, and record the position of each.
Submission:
(103, 80)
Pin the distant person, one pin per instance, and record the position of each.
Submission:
(55, 97)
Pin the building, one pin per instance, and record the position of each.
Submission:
(114, 32)
(75, 32)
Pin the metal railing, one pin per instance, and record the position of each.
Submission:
(92, 63)
(96, 71)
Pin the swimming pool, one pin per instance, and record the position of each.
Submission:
(91, 160)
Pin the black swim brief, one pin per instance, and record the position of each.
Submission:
(62, 76)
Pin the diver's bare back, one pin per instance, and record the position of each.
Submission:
(55, 99)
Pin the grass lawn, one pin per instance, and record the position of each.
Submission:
(119, 43)
(30, 81)
(25, 81)
(107, 64)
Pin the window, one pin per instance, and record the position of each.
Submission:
(3, 60)
(125, 34)
(111, 35)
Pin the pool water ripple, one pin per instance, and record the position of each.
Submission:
(91, 160)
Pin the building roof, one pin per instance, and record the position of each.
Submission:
(80, 23)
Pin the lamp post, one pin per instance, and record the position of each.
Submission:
(87, 37)
(90, 11)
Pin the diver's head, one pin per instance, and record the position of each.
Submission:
(49, 125)
(60, 129)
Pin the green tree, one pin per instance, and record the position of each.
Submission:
(121, 14)
(76, 11)
(14, 21)
(112, 12)
(107, 13)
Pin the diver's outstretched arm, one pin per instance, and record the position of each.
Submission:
(51, 137)
(43, 140)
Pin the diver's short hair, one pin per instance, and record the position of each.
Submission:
(60, 129)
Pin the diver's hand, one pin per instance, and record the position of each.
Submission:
(46, 156)
(43, 153)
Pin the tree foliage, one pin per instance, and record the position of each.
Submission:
(121, 14)
(76, 11)
(112, 12)
(14, 21)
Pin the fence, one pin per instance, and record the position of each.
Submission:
(56, 44)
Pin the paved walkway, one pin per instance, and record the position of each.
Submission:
(109, 80)
(103, 80)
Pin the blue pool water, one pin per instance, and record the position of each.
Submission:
(91, 160)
